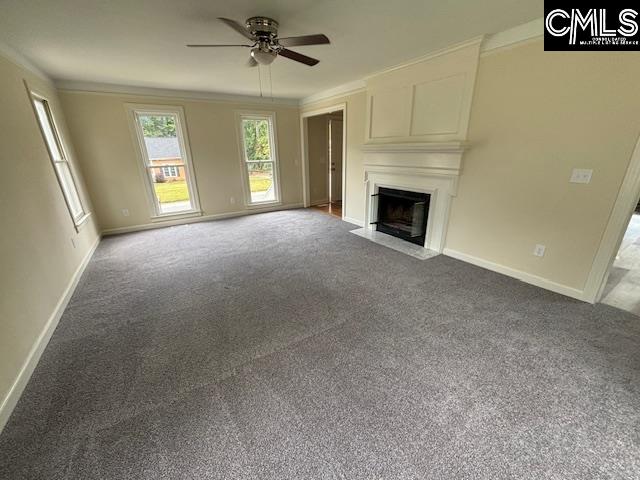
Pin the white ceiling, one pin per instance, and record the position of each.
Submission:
(141, 42)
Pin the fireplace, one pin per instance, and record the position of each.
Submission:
(419, 167)
(403, 214)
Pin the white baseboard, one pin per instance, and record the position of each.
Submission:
(11, 399)
(518, 274)
(355, 221)
(203, 218)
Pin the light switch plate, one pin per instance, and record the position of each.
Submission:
(581, 175)
(538, 250)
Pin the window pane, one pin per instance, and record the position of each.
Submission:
(69, 189)
(47, 128)
(261, 181)
(63, 173)
(172, 192)
(166, 163)
(256, 139)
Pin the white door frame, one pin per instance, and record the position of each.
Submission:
(305, 150)
(618, 221)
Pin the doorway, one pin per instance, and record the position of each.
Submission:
(324, 143)
(323, 135)
(622, 289)
(615, 256)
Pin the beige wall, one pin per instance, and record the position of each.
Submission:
(353, 203)
(37, 256)
(537, 115)
(100, 129)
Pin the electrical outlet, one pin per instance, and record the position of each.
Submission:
(125, 212)
(232, 200)
(581, 175)
(538, 250)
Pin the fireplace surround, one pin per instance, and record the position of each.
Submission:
(429, 168)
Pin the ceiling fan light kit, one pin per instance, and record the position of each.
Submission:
(263, 56)
(266, 45)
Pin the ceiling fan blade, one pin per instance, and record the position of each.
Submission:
(298, 57)
(237, 27)
(215, 45)
(318, 39)
(252, 62)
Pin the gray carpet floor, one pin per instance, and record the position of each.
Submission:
(281, 346)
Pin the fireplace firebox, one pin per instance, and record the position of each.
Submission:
(403, 214)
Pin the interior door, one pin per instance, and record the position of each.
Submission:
(335, 153)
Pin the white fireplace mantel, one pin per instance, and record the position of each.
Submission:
(415, 147)
(431, 168)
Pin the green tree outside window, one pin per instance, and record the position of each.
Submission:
(256, 142)
(158, 126)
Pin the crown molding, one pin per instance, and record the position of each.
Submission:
(429, 56)
(516, 35)
(21, 61)
(183, 95)
(512, 36)
(361, 85)
(521, 33)
(348, 88)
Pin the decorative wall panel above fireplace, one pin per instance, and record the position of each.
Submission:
(427, 101)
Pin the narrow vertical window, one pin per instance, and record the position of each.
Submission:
(166, 163)
(259, 159)
(59, 159)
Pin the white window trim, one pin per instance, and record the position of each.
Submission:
(134, 109)
(258, 115)
(34, 94)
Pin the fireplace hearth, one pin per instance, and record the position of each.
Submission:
(403, 214)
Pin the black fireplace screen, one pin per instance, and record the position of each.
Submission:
(403, 214)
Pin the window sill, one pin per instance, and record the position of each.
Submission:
(176, 216)
(81, 222)
(263, 204)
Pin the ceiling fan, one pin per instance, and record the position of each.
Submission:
(266, 45)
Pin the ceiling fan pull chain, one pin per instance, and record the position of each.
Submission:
(270, 84)
(260, 80)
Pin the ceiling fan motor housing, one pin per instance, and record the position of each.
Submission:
(262, 27)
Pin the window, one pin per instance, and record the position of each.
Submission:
(259, 158)
(165, 159)
(59, 159)
(170, 171)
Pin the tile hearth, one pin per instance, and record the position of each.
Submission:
(395, 243)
